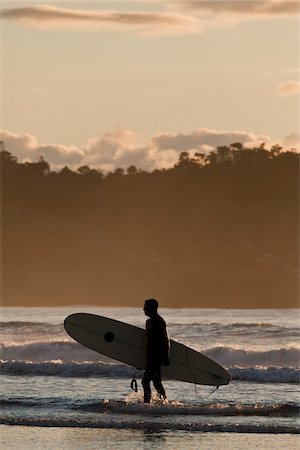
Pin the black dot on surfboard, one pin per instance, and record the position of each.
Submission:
(109, 336)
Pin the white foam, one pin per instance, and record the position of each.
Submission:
(234, 356)
(68, 351)
(102, 369)
(65, 350)
(59, 368)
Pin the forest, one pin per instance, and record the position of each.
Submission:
(216, 230)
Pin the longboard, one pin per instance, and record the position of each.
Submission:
(127, 343)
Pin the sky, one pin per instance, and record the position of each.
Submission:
(113, 84)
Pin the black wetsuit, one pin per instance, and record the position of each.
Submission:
(157, 354)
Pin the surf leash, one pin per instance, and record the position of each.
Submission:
(213, 391)
(133, 384)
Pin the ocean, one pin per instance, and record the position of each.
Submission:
(56, 394)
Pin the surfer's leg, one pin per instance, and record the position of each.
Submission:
(146, 384)
(158, 384)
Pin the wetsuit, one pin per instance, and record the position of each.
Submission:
(157, 354)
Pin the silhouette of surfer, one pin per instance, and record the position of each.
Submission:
(157, 350)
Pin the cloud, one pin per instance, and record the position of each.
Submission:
(250, 7)
(292, 141)
(288, 88)
(26, 148)
(186, 16)
(22, 146)
(203, 137)
(41, 92)
(60, 155)
(122, 148)
(223, 13)
(52, 17)
(293, 71)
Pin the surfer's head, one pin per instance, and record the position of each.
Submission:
(150, 307)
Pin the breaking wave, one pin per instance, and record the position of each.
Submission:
(232, 356)
(133, 404)
(18, 324)
(68, 351)
(102, 369)
(72, 369)
(245, 328)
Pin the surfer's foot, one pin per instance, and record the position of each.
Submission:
(164, 399)
(147, 398)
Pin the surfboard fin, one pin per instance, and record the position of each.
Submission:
(133, 384)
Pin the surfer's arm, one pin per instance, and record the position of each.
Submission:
(166, 361)
(165, 346)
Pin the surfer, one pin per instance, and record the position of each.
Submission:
(157, 350)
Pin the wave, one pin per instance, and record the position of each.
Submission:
(266, 375)
(33, 327)
(133, 404)
(141, 424)
(18, 323)
(232, 356)
(70, 351)
(66, 351)
(72, 369)
(246, 328)
(101, 369)
(228, 326)
(237, 329)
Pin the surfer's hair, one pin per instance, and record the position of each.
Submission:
(152, 304)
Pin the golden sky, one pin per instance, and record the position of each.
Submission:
(111, 84)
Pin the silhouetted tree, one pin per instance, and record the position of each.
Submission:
(132, 170)
(37, 169)
(275, 150)
(223, 154)
(7, 160)
(199, 158)
(83, 170)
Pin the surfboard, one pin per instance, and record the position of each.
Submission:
(127, 343)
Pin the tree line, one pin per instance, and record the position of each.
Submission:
(215, 230)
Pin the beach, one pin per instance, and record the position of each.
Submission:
(95, 439)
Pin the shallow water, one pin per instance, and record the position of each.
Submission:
(58, 394)
(110, 439)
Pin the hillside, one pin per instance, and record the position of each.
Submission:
(214, 231)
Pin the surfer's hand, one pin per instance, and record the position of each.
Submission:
(166, 361)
